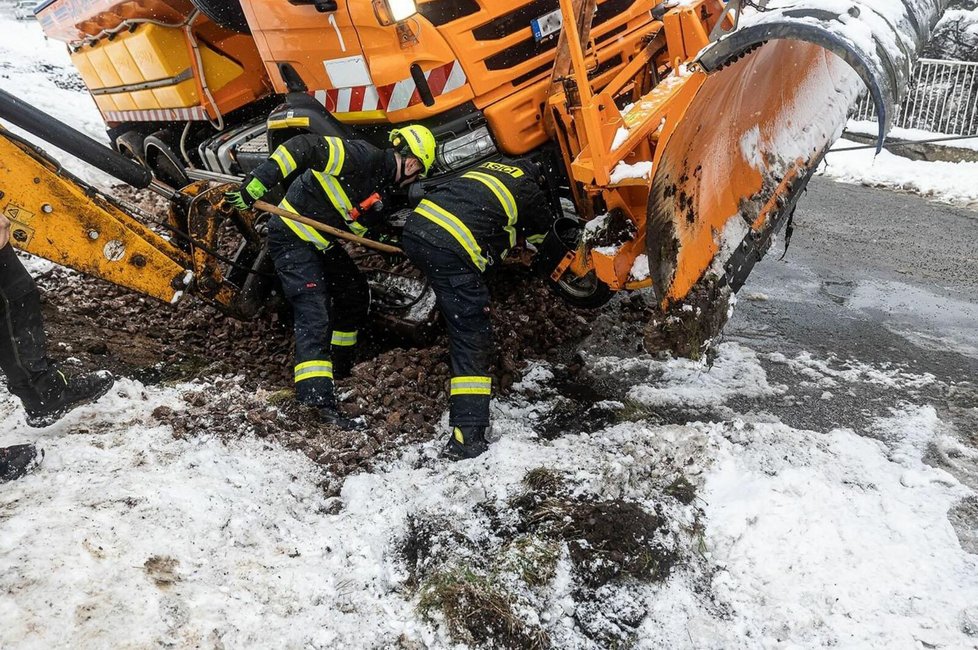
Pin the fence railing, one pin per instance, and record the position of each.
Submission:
(942, 98)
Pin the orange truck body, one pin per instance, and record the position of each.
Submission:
(156, 60)
(481, 53)
(361, 70)
(728, 121)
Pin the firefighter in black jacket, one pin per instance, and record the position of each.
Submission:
(457, 232)
(339, 181)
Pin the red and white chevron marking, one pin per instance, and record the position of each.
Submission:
(157, 115)
(392, 97)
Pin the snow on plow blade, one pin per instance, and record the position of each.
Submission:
(776, 97)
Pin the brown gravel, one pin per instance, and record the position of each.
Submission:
(246, 367)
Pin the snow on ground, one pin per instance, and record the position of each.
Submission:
(39, 72)
(955, 183)
(129, 536)
(865, 127)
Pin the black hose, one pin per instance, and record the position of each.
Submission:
(59, 134)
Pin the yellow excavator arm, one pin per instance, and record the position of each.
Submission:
(60, 218)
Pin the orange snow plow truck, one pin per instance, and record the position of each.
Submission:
(674, 138)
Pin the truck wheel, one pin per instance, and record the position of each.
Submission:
(164, 162)
(130, 144)
(586, 292)
(226, 13)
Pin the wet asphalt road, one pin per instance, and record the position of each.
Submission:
(884, 278)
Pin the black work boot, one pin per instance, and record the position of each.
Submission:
(18, 460)
(76, 392)
(466, 442)
(329, 415)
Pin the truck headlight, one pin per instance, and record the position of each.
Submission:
(460, 151)
(394, 11)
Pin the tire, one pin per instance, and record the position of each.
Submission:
(586, 292)
(130, 145)
(164, 162)
(226, 13)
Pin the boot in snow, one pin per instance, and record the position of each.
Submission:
(77, 391)
(466, 442)
(18, 460)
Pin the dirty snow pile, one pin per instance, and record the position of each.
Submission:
(130, 536)
(955, 183)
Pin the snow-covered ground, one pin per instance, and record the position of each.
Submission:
(955, 183)
(128, 536)
(131, 537)
(865, 127)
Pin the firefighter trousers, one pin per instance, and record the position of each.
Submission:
(463, 299)
(30, 375)
(330, 300)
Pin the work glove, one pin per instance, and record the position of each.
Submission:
(245, 196)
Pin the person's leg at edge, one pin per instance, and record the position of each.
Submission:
(46, 393)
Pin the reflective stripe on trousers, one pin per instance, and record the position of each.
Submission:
(471, 386)
(313, 369)
(344, 339)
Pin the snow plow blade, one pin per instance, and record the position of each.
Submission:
(776, 96)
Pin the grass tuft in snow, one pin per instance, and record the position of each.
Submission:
(429, 544)
(681, 490)
(532, 559)
(543, 479)
(478, 611)
(610, 539)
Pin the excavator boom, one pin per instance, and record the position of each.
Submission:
(59, 217)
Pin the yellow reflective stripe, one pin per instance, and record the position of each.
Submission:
(337, 156)
(455, 228)
(536, 239)
(286, 163)
(471, 385)
(340, 200)
(505, 198)
(289, 122)
(344, 339)
(313, 369)
(302, 231)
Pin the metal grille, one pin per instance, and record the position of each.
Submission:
(942, 98)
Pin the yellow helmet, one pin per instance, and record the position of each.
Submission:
(419, 141)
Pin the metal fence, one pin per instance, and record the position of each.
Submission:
(942, 98)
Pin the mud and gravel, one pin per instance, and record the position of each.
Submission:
(243, 370)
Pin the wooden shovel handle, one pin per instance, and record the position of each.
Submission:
(329, 230)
